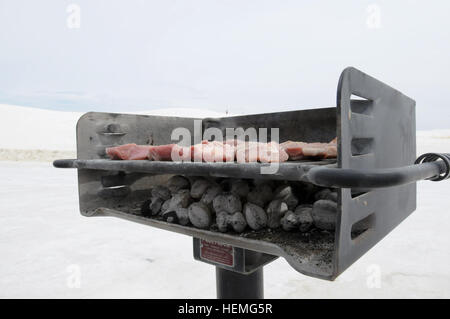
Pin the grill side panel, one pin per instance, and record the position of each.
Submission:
(376, 129)
(118, 189)
(311, 125)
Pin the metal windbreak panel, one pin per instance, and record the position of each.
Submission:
(376, 129)
(309, 125)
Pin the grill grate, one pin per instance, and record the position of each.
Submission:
(294, 171)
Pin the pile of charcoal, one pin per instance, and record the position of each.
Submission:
(236, 204)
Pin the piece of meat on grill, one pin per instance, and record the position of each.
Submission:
(197, 151)
(205, 151)
(293, 149)
(229, 152)
(181, 153)
(301, 150)
(247, 152)
(161, 152)
(223, 152)
(208, 151)
(320, 150)
(271, 153)
(129, 152)
(211, 152)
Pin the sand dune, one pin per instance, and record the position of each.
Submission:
(29, 128)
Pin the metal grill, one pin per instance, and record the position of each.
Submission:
(374, 172)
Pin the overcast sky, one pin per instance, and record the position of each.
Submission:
(241, 56)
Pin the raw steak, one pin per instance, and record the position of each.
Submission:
(129, 152)
(301, 150)
(213, 152)
(161, 152)
(260, 152)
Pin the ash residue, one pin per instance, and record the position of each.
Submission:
(315, 246)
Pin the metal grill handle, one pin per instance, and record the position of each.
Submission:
(432, 166)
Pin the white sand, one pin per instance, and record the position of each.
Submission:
(37, 129)
(43, 235)
(434, 141)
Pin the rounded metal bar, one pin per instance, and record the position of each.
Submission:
(374, 178)
(286, 171)
(233, 285)
(64, 163)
